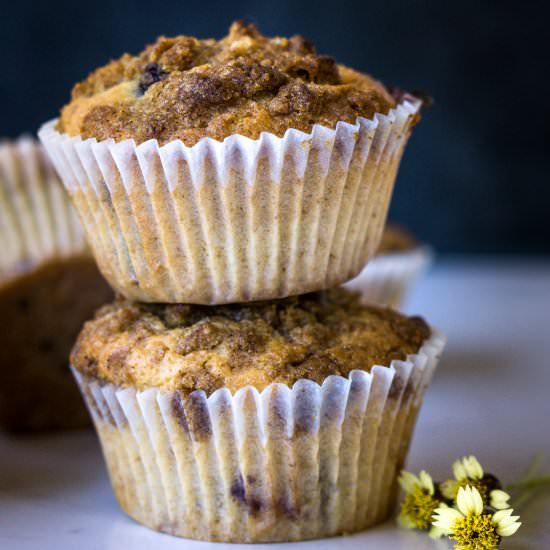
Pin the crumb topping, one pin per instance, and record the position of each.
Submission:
(185, 88)
(189, 347)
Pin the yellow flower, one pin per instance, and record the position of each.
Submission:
(471, 526)
(469, 472)
(419, 503)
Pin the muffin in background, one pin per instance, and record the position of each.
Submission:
(272, 421)
(49, 285)
(399, 262)
(243, 169)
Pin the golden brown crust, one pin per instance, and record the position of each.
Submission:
(184, 88)
(184, 347)
(396, 239)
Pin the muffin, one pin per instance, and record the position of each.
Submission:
(243, 169)
(396, 239)
(49, 285)
(399, 262)
(268, 421)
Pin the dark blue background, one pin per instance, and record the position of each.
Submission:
(475, 175)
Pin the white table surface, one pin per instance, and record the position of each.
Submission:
(490, 397)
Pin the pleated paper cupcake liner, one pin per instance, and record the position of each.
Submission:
(37, 219)
(386, 280)
(237, 220)
(285, 464)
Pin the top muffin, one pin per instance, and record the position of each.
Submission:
(185, 88)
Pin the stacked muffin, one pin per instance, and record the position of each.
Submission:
(227, 187)
(49, 285)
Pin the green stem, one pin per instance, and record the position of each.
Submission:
(529, 483)
(536, 462)
(518, 502)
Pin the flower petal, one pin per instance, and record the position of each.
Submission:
(437, 532)
(506, 523)
(509, 530)
(469, 500)
(463, 500)
(408, 481)
(459, 471)
(473, 467)
(426, 482)
(477, 500)
(446, 518)
(499, 499)
(449, 488)
(502, 515)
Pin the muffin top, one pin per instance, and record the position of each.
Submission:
(185, 88)
(190, 347)
(396, 239)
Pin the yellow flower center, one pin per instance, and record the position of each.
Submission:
(419, 507)
(475, 532)
(479, 484)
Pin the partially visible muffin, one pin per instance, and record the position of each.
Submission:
(49, 285)
(390, 275)
(184, 348)
(41, 313)
(185, 88)
(396, 239)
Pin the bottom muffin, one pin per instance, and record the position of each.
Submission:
(272, 421)
(41, 312)
(390, 275)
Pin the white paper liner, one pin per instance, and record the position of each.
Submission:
(387, 279)
(237, 220)
(285, 464)
(37, 219)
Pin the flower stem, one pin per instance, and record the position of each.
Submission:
(528, 483)
(522, 498)
(534, 466)
(532, 483)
